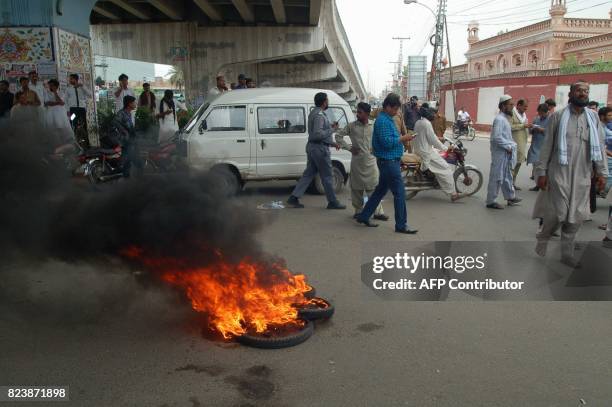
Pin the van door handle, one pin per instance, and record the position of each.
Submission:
(263, 144)
(241, 140)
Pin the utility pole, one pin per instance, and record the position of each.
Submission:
(400, 63)
(437, 40)
(450, 71)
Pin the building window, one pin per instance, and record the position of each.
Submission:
(276, 120)
(517, 60)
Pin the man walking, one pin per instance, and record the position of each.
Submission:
(520, 133)
(388, 149)
(572, 150)
(364, 173)
(503, 156)
(320, 133)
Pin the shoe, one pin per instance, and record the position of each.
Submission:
(384, 218)
(531, 178)
(517, 188)
(406, 231)
(294, 202)
(514, 202)
(455, 198)
(495, 205)
(603, 227)
(607, 243)
(355, 216)
(367, 223)
(535, 189)
(335, 205)
(571, 262)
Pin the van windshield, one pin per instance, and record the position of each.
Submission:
(196, 116)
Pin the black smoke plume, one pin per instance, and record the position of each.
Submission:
(48, 219)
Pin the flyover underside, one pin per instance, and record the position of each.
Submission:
(204, 52)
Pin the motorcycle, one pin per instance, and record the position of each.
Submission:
(468, 178)
(102, 164)
(161, 157)
(466, 130)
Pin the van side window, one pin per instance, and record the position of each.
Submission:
(277, 120)
(226, 118)
(335, 114)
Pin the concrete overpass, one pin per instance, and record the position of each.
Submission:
(280, 42)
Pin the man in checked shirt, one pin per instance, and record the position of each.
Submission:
(388, 149)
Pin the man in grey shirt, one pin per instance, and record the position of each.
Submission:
(320, 138)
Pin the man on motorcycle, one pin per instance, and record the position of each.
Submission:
(425, 144)
(463, 119)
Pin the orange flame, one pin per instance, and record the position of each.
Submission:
(238, 298)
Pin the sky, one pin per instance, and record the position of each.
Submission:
(370, 26)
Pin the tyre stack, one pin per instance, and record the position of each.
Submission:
(314, 309)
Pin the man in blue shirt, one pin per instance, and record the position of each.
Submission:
(388, 149)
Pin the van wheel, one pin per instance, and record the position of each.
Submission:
(230, 180)
(338, 182)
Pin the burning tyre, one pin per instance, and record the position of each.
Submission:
(311, 293)
(280, 336)
(316, 308)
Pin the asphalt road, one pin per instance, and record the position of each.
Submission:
(372, 353)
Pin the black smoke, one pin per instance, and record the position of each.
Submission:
(56, 228)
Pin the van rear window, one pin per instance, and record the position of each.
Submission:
(281, 120)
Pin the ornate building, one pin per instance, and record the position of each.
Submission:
(540, 46)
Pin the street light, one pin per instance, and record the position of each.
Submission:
(421, 4)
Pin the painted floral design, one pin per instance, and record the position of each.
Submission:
(25, 45)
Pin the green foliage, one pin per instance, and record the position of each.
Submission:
(105, 120)
(571, 66)
(144, 119)
(183, 117)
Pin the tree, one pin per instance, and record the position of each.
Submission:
(177, 79)
(99, 81)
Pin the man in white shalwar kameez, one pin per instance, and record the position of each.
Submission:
(426, 145)
(573, 149)
(503, 156)
(364, 172)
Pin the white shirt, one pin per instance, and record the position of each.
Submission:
(70, 97)
(39, 89)
(214, 92)
(119, 99)
(463, 116)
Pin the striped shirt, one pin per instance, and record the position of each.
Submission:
(386, 139)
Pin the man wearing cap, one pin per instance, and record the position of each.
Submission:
(318, 157)
(503, 156)
(572, 152)
(242, 82)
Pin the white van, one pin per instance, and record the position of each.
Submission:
(261, 134)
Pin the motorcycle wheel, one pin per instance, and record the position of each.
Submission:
(471, 134)
(96, 170)
(468, 183)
